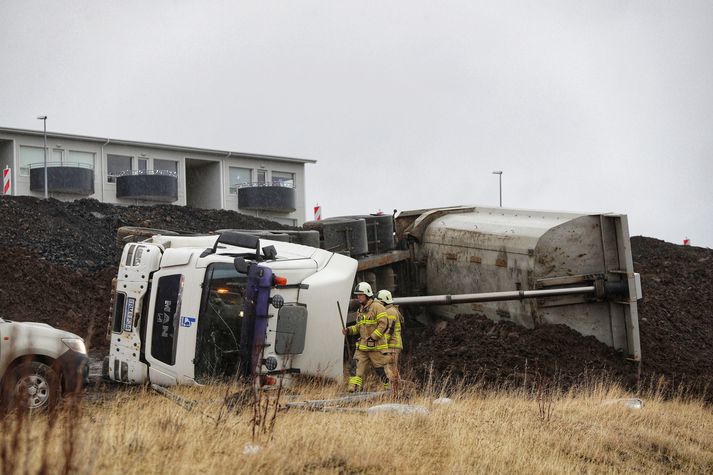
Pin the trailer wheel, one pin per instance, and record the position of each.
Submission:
(32, 385)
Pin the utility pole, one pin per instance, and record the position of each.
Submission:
(43, 118)
(500, 180)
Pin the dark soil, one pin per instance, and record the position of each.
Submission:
(676, 326)
(676, 313)
(34, 289)
(59, 257)
(475, 349)
(82, 234)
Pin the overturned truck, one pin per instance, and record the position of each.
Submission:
(265, 303)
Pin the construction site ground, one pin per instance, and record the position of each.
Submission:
(59, 258)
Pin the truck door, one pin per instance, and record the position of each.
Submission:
(167, 360)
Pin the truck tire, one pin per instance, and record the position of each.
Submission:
(32, 385)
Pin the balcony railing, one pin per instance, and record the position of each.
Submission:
(283, 184)
(62, 164)
(275, 196)
(147, 172)
(74, 178)
(147, 185)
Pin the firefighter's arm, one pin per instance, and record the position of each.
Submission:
(381, 327)
(351, 330)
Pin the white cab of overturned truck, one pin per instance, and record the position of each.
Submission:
(188, 309)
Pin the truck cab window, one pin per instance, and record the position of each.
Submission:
(219, 322)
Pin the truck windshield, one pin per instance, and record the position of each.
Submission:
(219, 322)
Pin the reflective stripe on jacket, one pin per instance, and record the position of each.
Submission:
(393, 333)
(371, 324)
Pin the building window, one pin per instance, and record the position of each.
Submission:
(58, 155)
(30, 156)
(283, 179)
(143, 166)
(165, 167)
(81, 159)
(261, 174)
(239, 176)
(116, 165)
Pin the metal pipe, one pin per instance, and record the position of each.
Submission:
(500, 185)
(101, 168)
(493, 296)
(43, 118)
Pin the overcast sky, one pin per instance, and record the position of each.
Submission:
(585, 106)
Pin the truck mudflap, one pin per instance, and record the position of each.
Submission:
(255, 320)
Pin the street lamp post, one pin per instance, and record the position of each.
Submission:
(43, 118)
(500, 180)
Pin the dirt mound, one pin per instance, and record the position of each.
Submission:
(34, 289)
(676, 326)
(81, 234)
(676, 313)
(476, 349)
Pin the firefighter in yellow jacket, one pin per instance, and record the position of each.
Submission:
(372, 348)
(393, 334)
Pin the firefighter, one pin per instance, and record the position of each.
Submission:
(393, 334)
(372, 348)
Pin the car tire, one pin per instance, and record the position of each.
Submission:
(31, 385)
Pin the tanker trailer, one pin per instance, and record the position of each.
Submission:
(529, 267)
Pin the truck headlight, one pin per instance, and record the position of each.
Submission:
(75, 344)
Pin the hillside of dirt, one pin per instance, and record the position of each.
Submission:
(82, 234)
(676, 313)
(676, 327)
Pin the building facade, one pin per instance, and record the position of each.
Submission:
(128, 172)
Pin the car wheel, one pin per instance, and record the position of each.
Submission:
(33, 385)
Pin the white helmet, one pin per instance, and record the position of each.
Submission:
(363, 288)
(385, 296)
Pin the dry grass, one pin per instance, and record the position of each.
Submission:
(139, 431)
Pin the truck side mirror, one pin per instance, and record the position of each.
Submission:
(291, 330)
(269, 252)
(241, 265)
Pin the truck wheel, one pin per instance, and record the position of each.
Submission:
(32, 385)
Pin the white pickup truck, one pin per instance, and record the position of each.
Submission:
(38, 363)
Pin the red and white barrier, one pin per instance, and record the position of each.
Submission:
(317, 213)
(6, 181)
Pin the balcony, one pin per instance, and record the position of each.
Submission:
(63, 177)
(272, 196)
(148, 185)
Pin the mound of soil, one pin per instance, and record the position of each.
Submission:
(81, 234)
(34, 289)
(474, 349)
(676, 313)
(676, 327)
